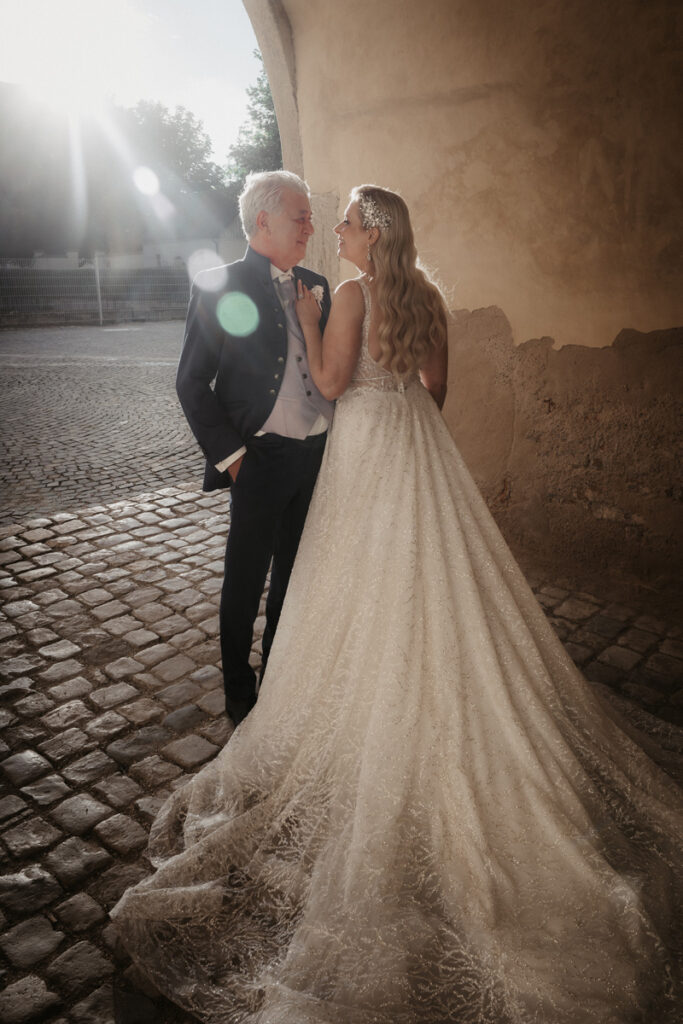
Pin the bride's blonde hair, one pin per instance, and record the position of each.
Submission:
(412, 309)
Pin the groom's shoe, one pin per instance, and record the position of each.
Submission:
(237, 710)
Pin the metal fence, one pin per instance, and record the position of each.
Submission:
(31, 295)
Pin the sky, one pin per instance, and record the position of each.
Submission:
(75, 54)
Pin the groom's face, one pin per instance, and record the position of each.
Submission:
(288, 230)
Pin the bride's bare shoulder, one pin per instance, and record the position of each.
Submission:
(348, 297)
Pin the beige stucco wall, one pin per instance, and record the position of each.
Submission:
(538, 147)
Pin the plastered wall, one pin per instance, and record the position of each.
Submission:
(538, 147)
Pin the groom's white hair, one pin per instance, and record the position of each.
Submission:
(263, 191)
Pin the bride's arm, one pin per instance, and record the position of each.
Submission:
(332, 359)
(434, 373)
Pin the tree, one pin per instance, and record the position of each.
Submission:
(258, 145)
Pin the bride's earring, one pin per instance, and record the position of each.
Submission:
(369, 253)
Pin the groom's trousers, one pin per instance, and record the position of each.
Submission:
(269, 502)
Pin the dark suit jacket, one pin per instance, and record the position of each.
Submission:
(233, 356)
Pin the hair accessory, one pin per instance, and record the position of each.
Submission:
(370, 214)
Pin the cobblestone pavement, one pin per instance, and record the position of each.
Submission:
(90, 413)
(111, 697)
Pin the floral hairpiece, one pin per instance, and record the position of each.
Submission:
(370, 214)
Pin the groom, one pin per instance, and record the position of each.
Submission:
(245, 387)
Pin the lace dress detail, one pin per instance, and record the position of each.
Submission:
(429, 817)
(368, 373)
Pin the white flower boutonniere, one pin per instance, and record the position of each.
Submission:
(317, 293)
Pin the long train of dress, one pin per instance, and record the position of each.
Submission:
(429, 816)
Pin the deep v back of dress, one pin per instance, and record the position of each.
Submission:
(429, 816)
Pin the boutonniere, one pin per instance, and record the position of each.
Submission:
(317, 293)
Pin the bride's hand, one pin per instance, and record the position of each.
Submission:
(307, 308)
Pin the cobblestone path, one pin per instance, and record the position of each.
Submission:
(111, 695)
(89, 414)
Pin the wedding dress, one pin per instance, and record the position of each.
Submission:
(429, 816)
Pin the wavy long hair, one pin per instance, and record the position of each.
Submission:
(412, 308)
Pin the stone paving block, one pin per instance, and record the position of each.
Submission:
(10, 806)
(121, 834)
(61, 671)
(140, 637)
(118, 790)
(64, 607)
(106, 726)
(208, 677)
(66, 744)
(213, 702)
(149, 806)
(28, 942)
(60, 650)
(32, 836)
(112, 884)
(93, 766)
(599, 672)
(121, 626)
(171, 626)
(174, 668)
(187, 640)
(219, 731)
(151, 612)
(619, 657)
(672, 649)
(123, 667)
(190, 751)
(646, 696)
(663, 667)
(7, 630)
(201, 612)
(25, 767)
(576, 610)
(16, 608)
(77, 814)
(21, 665)
(637, 640)
(80, 912)
(19, 687)
(80, 965)
(110, 610)
(155, 654)
(33, 704)
(141, 711)
(39, 637)
(47, 790)
(27, 1000)
(142, 596)
(651, 624)
(95, 597)
(109, 696)
(70, 713)
(142, 743)
(154, 771)
(185, 718)
(179, 693)
(96, 1008)
(74, 859)
(28, 890)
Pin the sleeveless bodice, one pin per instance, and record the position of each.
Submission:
(368, 373)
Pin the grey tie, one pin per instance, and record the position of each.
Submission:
(286, 291)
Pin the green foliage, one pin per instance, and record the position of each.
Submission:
(67, 184)
(258, 145)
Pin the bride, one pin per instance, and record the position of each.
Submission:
(429, 816)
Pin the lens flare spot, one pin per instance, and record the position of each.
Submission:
(237, 314)
(213, 274)
(146, 181)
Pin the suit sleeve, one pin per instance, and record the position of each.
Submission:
(199, 362)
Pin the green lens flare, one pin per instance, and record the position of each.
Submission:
(237, 314)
